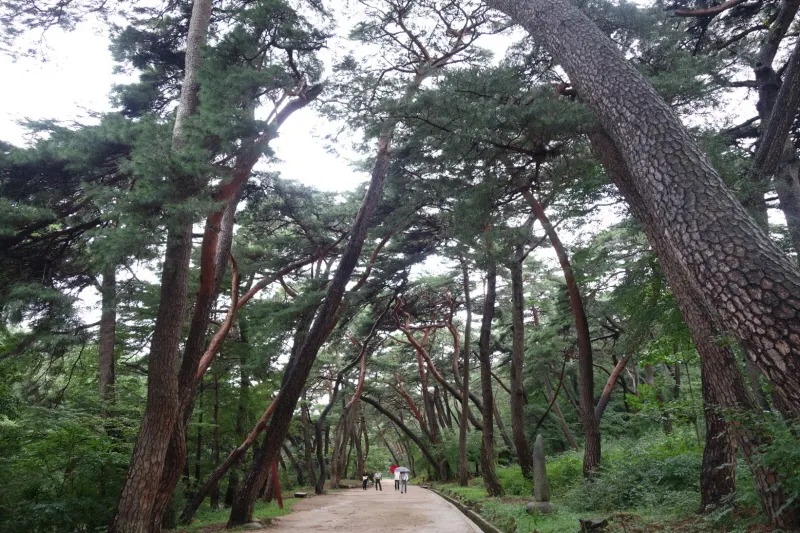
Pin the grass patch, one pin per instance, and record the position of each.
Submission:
(206, 518)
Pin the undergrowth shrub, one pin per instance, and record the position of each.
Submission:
(564, 472)
(654, 472)
(513, 482)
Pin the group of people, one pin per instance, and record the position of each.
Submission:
(400, 480)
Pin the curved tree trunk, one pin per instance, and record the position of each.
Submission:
(139, 494)
(591, 424)
(242, 510)
(521, 443)
(490, 480)
(725, 386)
(741, 278)
(229, 462)
(405, 429)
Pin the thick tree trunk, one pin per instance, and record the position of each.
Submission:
(215, 442)
(521, 443)
(741, 278)
(490, 481)
(725, 384)
(136, 513)
(360, 466)
(591, 424)
(319, 486)
(463, 464)
(108, 335)
(242, 510)
(718, 474)
(198, 452)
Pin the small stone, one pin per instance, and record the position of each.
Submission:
(300, 494)
(535, 508)
(254, 525)
(591, 525)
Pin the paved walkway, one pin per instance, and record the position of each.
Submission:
(357, 511)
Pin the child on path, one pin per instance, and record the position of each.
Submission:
(377, 478)
(365, 479)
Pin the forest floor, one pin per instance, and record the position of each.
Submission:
(351, 510)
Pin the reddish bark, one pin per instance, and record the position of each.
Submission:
(139, 496)
(591, 425)
(602, 403)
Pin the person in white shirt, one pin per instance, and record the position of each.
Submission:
(403, 482)
(396, 480)
(377, 478)
(365, 479)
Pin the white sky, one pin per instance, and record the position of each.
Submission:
(76, 80)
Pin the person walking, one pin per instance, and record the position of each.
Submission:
(396, 480)
(365, 479)
(403, 482)
(377, 477)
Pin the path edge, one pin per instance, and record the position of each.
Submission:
(480, 521)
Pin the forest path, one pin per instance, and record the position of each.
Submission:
(388, 511)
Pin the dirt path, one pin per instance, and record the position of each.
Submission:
(355, 511)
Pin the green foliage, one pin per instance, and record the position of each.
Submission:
(61, 470)
(513, 483)
(564, 472)
(206, 517)
(656, 471)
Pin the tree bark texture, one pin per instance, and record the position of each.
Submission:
(521, 443)
(135, 512)
(490, 481)
(743, 280)
(725, 384)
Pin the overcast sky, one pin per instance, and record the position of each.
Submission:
(77, 76)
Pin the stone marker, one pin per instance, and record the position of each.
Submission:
(299, 494)
(541, 488)
(254, 525)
